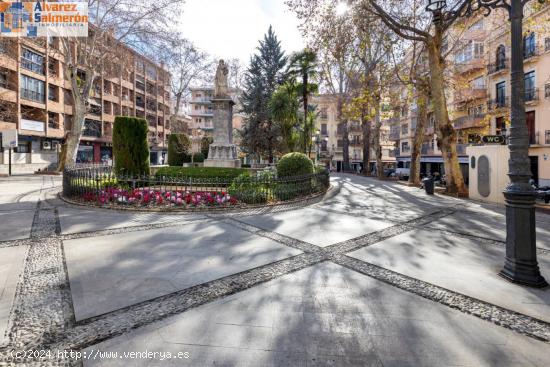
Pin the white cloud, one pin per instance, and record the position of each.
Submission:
(232, 28)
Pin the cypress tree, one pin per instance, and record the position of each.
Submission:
(264, 74)
(130, 146)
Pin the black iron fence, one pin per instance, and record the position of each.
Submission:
(99, 185)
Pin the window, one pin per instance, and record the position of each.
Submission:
(546, 44)
(479, 83)
(3, 79)
(52, 120)
(405, 147)
(92, 128)
(501, 94)
(32, 61)
(530, 90)
(547, 91)
(529, 46)
(500, 58)
(475, 110)
(52, 67)
(500, 126)
(52, 92)
(23, 147)
(404, 129)
(324, 113)
(324, 129)
(151, 72)
(547, 137)
(32, 89)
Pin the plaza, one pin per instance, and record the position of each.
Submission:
(374, 273)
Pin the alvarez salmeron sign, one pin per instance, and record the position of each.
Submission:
(43, 19)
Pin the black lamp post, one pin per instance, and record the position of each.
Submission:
(521, 264)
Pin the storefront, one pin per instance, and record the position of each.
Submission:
(94, 152)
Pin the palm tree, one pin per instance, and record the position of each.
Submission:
(283, 106)
(303, 66)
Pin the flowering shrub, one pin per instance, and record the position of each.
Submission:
(148, 197)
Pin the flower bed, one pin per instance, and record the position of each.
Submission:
(147, 197)
(100, 186)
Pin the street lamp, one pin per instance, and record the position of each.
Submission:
(521, 264)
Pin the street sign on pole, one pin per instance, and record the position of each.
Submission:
(9, 138)
(9, 141)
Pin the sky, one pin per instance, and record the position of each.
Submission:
(232, 28)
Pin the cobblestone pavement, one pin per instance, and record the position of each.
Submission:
(376, 274)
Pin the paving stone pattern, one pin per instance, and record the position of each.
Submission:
(42, 315)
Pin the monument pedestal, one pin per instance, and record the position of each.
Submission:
(222, 152)
(222, 155)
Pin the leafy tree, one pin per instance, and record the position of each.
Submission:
(283, 106)
(265, 73)
(130, 146)
(409, 20)
(303, 66)
(139, 25)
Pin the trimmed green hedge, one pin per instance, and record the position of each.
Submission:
(294, 164)
(247, 189)
(130, 146)
(200, 172)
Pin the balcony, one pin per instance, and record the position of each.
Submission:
(427, 149)
(470, 94)
(466, 122)
(531, 53)
(501, 102)
(470, 65)
(498, 67)
(531, 95)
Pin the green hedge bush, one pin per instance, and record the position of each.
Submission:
(294, 164)
(248, 189)
(130, 146)
(200, 172)
(198, 158)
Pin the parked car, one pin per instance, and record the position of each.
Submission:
(402, 173)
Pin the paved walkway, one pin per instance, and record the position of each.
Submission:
(376, 274)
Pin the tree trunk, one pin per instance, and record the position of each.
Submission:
(305, 99)
(446, 134)
(72, 139)
(270, 141)
(376, 140)
(80, 97)
(345, 139)
(418, 140)
(366, 125)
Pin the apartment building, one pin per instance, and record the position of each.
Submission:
(479, 93)
(35, 99)
(331, 149)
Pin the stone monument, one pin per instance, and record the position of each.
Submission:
(222, 152)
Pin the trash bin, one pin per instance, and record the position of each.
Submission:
(428, 183)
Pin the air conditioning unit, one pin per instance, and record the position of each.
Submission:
(46, 145)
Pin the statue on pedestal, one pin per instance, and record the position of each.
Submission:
(221, 88)
(222, 152)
